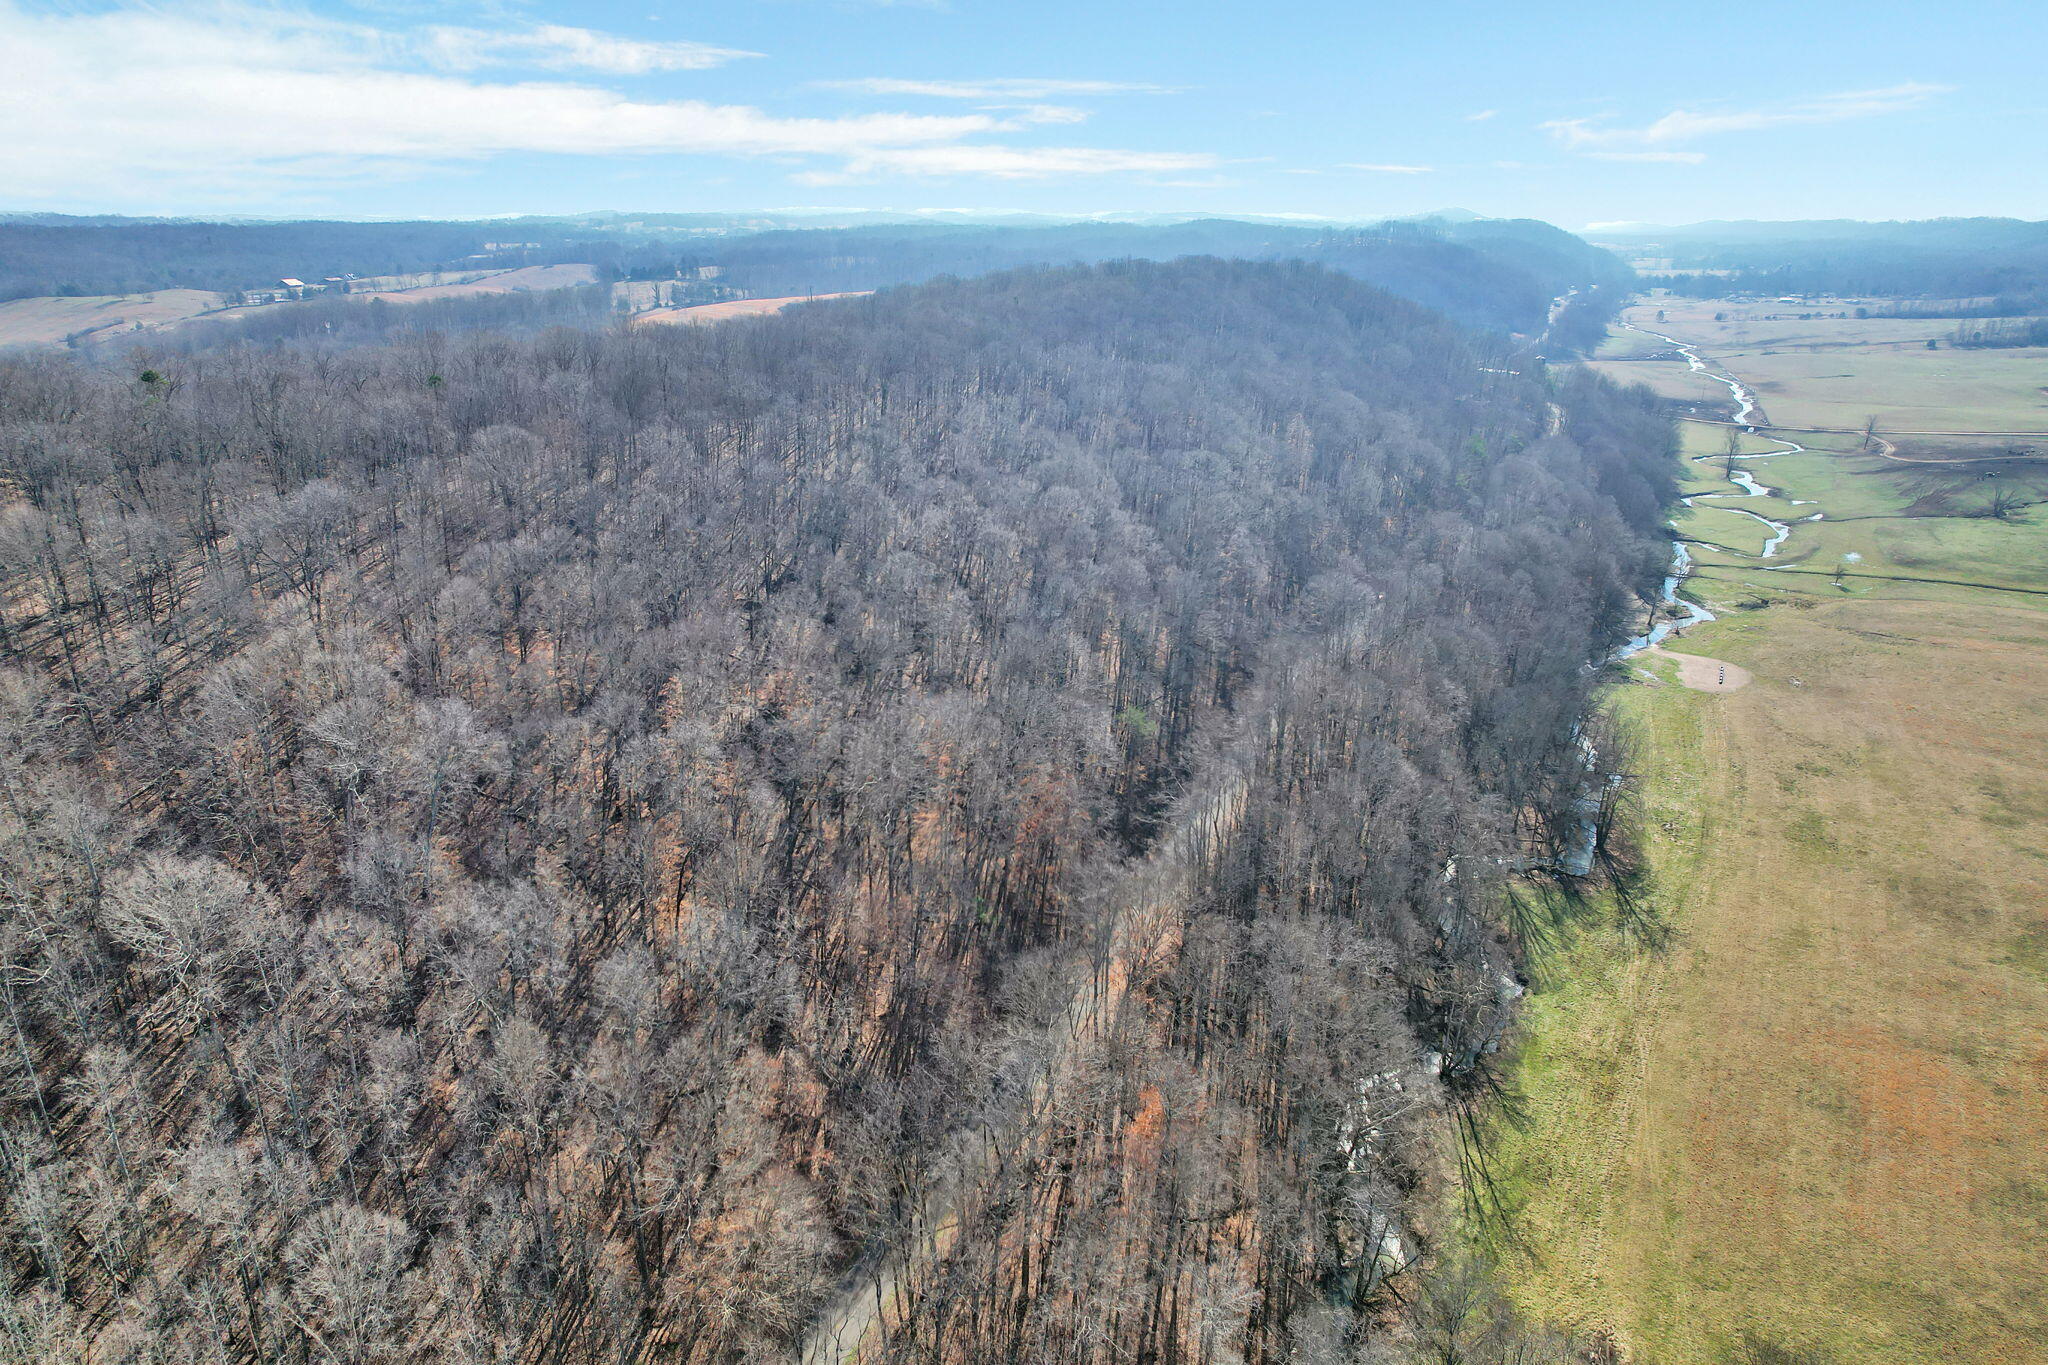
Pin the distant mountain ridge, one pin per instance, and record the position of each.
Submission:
(1496, 273)
(1500, 274)
(756, 220)
(2003, 258)
(1827, 229)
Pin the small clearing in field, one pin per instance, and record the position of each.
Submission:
(704, 313)
(1702, 674)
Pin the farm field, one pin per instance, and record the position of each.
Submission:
(1806, 1128)
(415, 279)
(521, 280)
(47, 321)
(1769, 325)
(1839, 372)
(704, 313)
(51, 320)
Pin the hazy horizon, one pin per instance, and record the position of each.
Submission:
(962, 214)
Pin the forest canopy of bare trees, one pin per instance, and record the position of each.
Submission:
(991, 800)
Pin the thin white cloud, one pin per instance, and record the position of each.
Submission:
(1384, 168)
(1010, 163)
(1683, 158)
(1006, 88)
(556, 47)
(1023, 115)
(230, 105)
(1684, 125)
(1482, 116)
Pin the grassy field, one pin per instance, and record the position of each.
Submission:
(1715, 524)
(1809, 1128)
(1889, 516)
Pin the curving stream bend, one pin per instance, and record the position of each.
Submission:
(1577, 860)
(1681, 558)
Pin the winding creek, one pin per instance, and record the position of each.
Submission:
(1577, 860)
(1681, 558)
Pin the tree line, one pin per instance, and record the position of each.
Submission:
(2001, 332)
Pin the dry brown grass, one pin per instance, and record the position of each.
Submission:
(48, 321)
(1815, 1129)
(1818, 1120)
(706, 313)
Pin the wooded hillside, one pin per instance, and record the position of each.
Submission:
(627, 845)
(1494, 273)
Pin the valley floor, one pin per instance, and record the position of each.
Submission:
(1809, 1127)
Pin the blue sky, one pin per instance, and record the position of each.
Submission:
(1580, 113)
